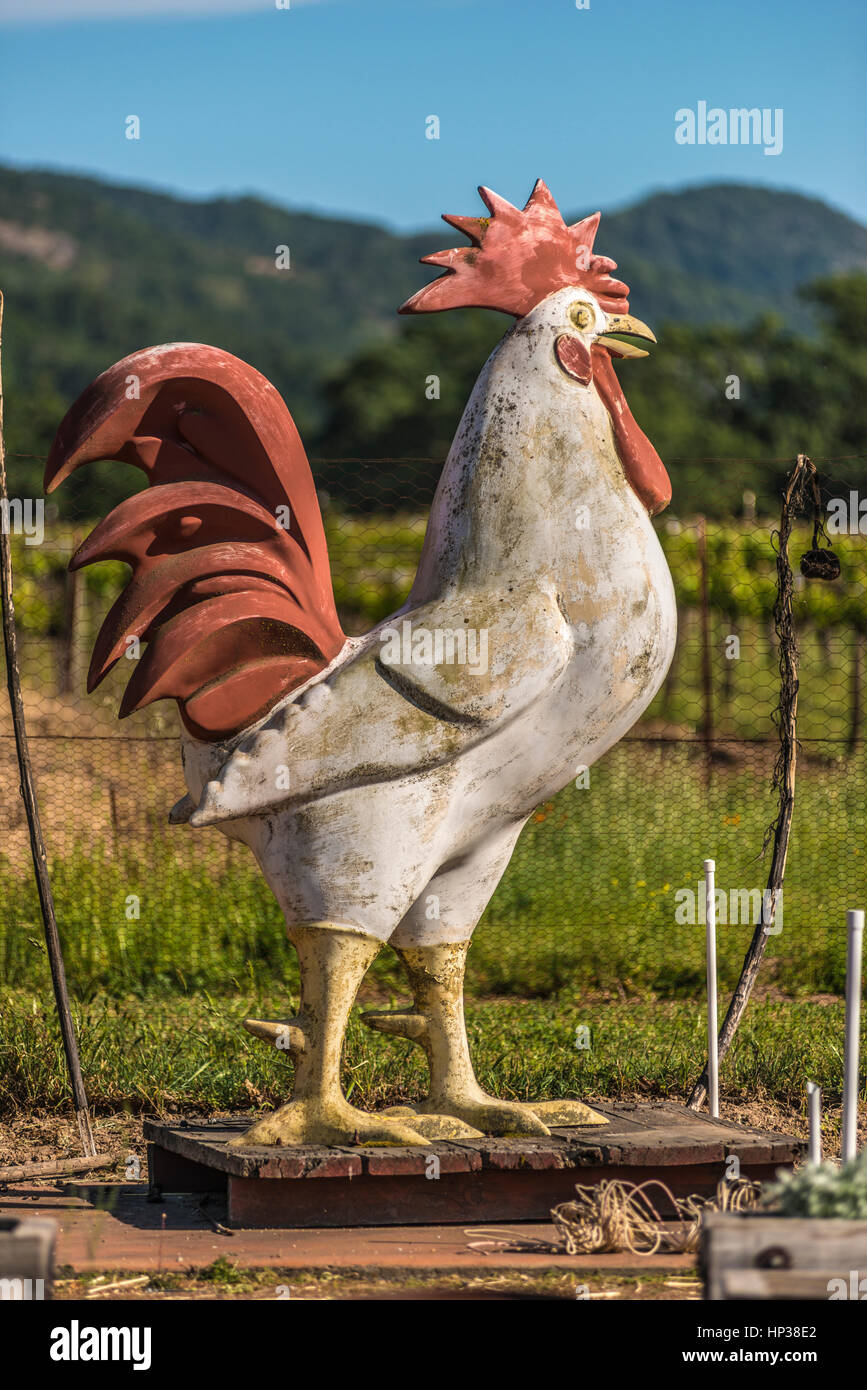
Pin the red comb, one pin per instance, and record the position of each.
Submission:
(517, 258)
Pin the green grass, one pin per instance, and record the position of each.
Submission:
(580, 932)
(192, 1053)
(586, 908)
(588, 901)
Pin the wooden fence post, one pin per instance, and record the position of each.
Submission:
(856, 711)
(73, 644)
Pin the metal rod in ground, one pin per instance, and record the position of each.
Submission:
(786, 716)
(28, 792)
(814, 1110)
(712, 1024)
(855, 935)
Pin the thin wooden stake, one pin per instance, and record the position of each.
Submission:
(72, 645)
(115, 818)
(857, 672)
(784, 772)
(28, 792)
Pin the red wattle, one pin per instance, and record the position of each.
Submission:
(644, 469)
(574, 358)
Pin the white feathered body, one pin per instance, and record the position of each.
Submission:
(388, 794)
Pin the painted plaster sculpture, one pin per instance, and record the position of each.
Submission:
(371, 776)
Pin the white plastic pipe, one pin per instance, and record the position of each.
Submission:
(855, 935)
(712, 1028)
(814, 1110)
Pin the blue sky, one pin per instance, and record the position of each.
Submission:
(323, 105)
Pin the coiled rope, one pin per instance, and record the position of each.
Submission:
(620, 1216)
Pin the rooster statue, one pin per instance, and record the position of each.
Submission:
(382, 781)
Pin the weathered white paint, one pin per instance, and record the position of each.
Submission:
(410, 782)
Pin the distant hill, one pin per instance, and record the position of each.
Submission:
(92, 271)
(727, 251)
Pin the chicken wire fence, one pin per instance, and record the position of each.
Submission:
(603, 890)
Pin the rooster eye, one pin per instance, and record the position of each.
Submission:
(581, 315)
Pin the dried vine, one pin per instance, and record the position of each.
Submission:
(802, 487)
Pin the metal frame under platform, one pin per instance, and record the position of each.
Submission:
(472, 1180)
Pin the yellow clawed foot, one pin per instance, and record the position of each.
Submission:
(283, 1033)
(472, 1119)
(503, 1118)
(334, 1122)
(488, 1115)
(461, 1110)
(435, 1021)
(565, 1114)
(432, 1126)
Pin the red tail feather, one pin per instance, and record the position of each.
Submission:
(231, 586)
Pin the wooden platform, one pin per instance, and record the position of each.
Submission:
(474, 1180)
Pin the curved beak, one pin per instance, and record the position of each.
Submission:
(617, 324)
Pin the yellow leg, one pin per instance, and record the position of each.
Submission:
(333, 961)
(436, 1023)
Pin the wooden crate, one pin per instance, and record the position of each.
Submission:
(26, 1258)
(782, 1257)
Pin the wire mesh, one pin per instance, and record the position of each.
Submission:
(602, 892)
